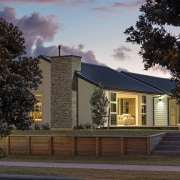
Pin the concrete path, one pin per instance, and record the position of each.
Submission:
(92, 166)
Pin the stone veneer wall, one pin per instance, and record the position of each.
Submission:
(64, 91)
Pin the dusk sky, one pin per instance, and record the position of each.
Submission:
(92, 29)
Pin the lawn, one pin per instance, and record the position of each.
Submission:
(92, 173)
(116, 132)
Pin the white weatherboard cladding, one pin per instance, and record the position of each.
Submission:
(149, 110)
(161, 111)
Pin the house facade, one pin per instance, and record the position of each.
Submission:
(134, 99)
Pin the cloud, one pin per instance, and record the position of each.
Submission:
(47, 2)
(119, 69)
(161, 69)
(38, 30)
(34, 27)
(87, 56)
(121, 53)
(116, 7)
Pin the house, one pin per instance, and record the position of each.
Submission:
(134, 99)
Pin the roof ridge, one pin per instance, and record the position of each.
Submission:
(145, 82)
(145, 75)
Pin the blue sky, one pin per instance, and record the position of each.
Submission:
(92, 29)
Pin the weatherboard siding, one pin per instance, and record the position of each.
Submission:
(149, 110)
(161, 111)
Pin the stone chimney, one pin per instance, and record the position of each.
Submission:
(64, 91)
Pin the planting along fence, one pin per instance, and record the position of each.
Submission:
(79, 145)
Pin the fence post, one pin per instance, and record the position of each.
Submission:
(148, 146)
(50, 146)
(73, 146)
(28, 145)
(122, 146)
(7, 145)
(97, 146)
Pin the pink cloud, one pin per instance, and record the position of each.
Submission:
(38, 30)
(121, 53)
(87, 56)
(116, 6)
(34, 27)
(47, 2)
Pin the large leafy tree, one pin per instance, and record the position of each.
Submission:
(153, 31)
(99, 103)
(19, 75)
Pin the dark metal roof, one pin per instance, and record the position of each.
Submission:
(46, 58)
(163, 84)
(112, 79)
(125, 81)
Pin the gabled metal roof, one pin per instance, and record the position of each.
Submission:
(163, 84)
(112, 79)
(44, 57)
(123, 81)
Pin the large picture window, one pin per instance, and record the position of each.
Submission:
(37, 111)
(126, 111)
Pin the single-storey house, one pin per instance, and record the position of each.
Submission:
(134, 99)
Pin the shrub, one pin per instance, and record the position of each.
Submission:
(2, 154)
(37, 126)
(45, 126)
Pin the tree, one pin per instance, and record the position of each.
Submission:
(19, 75)
(158, 45)
(99, 103)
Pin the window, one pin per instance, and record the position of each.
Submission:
(113, 109)
(143, 110)
(37, 111)
(127, 106)
(174, 112)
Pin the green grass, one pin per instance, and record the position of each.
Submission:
(91, 173)
(116, 132)
(140, 160)
(95, 173)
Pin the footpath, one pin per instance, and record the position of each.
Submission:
(78, 165)
(92, 166)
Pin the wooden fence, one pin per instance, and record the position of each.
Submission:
(79, 145)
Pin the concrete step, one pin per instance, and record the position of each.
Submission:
(171, 138)
(173, 134)
(167, 148)
(170, 143)
(166, 153)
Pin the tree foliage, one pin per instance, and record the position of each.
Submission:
(19, 75)
(99, 103)
(159, 46)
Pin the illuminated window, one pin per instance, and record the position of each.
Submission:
(143, 110)
(37, 112)
(113, 109)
